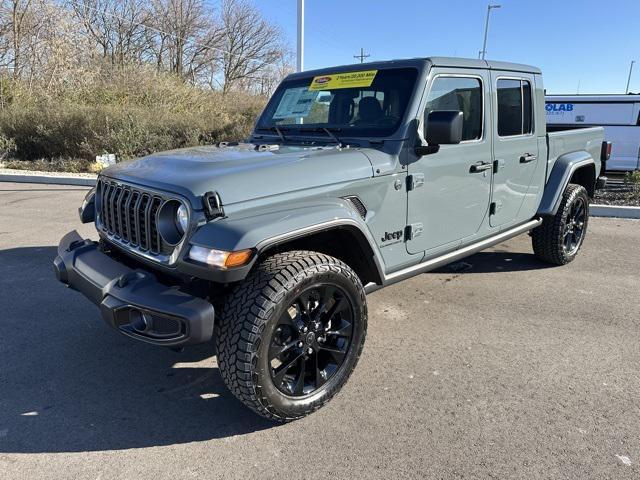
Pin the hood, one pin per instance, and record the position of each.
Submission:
(241, 173)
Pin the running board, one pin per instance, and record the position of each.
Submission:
(450, 257)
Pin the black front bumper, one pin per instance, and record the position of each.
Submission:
(133, 301)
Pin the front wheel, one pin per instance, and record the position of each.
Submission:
(560, 237)
(291, 333)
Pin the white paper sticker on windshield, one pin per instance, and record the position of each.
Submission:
(296, 102)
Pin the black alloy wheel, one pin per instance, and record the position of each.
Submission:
(560, 237)
(289, 335)
(311, 341)
(574, 227)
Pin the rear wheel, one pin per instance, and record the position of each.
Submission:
(290, 335)
(560, 237)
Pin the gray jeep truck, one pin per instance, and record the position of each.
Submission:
(354, 178)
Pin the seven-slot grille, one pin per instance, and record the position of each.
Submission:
(129, 215)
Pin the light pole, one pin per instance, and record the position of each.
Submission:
(629, 79)
(300, 52)
(486, 30)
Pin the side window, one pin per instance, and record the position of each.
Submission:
(515, 115)
(463, 95)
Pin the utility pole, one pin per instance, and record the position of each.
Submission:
(300, 51)
(483, 52)
(362, 56)
(629, 78)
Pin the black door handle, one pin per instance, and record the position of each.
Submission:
(480, 167)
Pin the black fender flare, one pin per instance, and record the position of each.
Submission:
(262, 229)
(563, 169)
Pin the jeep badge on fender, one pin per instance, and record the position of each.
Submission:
(389, 236)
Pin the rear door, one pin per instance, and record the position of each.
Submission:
(450, 196)
(515, 145)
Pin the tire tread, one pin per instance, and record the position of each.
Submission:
(245, 313)
(547, 238)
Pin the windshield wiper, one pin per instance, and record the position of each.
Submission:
(332, 135)
(276, 129)
(328, 131)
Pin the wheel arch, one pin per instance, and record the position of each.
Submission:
(332, 227)
(575, 167)
(585, 176)
(340, 239)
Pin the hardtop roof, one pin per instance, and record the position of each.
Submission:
(453, 62)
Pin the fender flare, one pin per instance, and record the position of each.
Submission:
(563, 169)
(262, 229)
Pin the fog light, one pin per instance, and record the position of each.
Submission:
(219, 258)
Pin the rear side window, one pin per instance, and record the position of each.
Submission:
(515, 114)
(461, 94)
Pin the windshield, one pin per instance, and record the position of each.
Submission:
(359, 104)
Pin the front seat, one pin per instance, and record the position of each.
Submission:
(369, 110)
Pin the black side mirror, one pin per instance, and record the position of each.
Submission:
(443, 127)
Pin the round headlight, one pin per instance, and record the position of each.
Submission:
(182, 218)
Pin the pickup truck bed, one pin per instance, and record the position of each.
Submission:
(562, 141)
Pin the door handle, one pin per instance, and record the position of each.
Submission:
(480, 167)
(527, 157)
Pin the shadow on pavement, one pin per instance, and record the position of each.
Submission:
(495, 261)
(68, 383)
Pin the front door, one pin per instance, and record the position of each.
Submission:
(449, 199)
(515, 146)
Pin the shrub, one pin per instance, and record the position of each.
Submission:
(7, 147)
(632, 179)
(132, 113)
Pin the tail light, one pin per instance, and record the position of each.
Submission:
(606, 151)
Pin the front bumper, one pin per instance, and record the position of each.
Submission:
(133, 301)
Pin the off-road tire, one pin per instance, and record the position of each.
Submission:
(547, 239)
(244, 324)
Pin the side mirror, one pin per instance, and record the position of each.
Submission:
(443, 127)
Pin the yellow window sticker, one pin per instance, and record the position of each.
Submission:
(334, 81)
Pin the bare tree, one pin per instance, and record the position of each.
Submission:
(187, 36)
(116, 26)
(251, 44)
(231, 47)
(15, 16)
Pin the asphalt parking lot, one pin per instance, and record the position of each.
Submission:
(499, 368)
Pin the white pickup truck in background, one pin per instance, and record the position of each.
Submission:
(618, 114)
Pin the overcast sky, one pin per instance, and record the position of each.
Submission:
(583, 43)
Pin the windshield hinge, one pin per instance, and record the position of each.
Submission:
(415, 181)
(412, 231)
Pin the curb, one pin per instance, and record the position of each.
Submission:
(48, 179)
(614, 211)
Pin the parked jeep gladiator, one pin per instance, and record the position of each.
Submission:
(354, 178)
